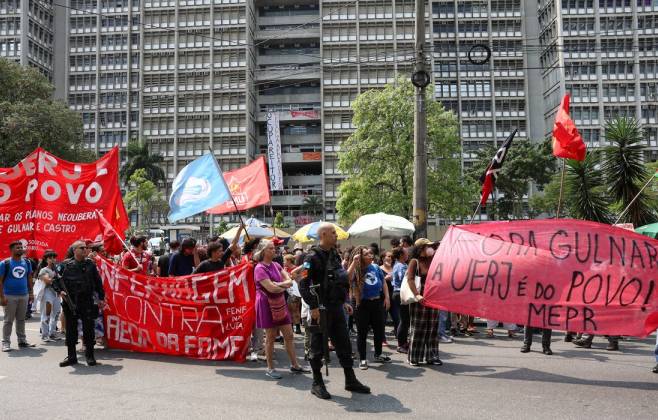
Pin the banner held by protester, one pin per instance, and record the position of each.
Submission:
(207, 316)
(570, 275)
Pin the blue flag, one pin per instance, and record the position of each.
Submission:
(198, 187)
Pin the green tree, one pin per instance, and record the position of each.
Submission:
(526, 162)
(377, 158)
(145, 198)
(312, 205)
(279, 221)
(140, 157)
(585, 195)
(29, 117)
(623, 166)
(222, 227)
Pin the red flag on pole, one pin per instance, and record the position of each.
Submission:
(567, 142)
(249, 187)
(112, 241)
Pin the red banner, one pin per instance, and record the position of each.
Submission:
(207, 316)
(48, 203)
(307, 114)
(249, 187)
(569, 275)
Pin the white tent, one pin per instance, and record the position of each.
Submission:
(381, 226)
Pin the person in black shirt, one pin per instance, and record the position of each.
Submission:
(182, 263)
(163, 260)
(217, 256)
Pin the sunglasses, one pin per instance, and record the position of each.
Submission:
(82, 247)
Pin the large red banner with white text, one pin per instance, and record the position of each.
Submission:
(48, 203)
(570, 275)
(206, 316)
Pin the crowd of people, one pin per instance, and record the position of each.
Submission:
(358, 288)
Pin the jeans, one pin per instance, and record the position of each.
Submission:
(545, 336)
(443, 318)
(394, 310)
(508, 326)
(370, 314)
(16, 309)
(49, 322)
(403, 328)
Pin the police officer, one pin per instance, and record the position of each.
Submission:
(333, 295)
(77, 281)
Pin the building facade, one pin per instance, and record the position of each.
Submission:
(186, 76)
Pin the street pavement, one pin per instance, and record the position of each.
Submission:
(481, 379)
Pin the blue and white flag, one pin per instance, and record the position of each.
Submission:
(198, 187)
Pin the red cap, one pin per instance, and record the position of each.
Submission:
(277, 242)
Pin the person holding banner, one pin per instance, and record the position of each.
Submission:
(424, 341)
(271, 308)
(183, 262)
(217, 255)
(655, 352)
(545, 339)
(15, 293)
(138, 259)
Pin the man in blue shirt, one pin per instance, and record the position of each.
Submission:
(15, 293)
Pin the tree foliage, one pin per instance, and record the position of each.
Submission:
(312, 205)
(526, 162)
(377, 158)
(625, 172)
(279, 221)
(30, 118)
(140, 157)
(585, 194)
(144, 197)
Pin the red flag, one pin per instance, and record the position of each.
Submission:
(567, 142)
(488, 178)
(249, 187)
(112, 241)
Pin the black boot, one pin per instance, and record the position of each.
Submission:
(352, 384)
(655, 369)
(71, 359)
(613, 346)
(568, 338)
(547, 351)
(584, 343)
(318, 389)
(525, 348)
(89, 356)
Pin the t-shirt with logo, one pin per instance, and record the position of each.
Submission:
(373, 282)
(15, 281)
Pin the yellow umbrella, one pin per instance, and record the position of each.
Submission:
(279, 233)
(309, 233)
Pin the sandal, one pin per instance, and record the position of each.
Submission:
(490, 333)
(510, 334)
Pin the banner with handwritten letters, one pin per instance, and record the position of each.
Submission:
(569, 275)
(207, 316)
(274, 151)
(48, 203)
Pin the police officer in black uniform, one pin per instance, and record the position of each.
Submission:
(332, 295)
(77, 281)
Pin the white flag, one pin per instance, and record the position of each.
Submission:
(274, 152)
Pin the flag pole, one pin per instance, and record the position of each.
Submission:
(476, 212)
(559, 200)
(636, 197)
(246, 234)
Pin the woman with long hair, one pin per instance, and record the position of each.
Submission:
(371, 296)
(272, 312)
(387, 267)
(424, 343)
(49, 304)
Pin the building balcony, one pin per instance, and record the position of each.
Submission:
(290, 73)
(287, 200)
(292, 115)
(289, 59)
(302, 98)
(280, 34)
(285, 20)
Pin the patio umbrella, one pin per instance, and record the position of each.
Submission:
(382, 226)
(649, 230)
(309, 233)
(253, 231)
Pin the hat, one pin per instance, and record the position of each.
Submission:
(423, 242)
(277, 242)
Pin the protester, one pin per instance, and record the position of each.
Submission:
(47, 299)
(271, 308)
(367, 281)
(162, 269)
(137, 259)
(424, 320)
(217, 255)
(387, 268)
(545, 339)
(183, 262)
(15, 293)
(491, 324)
(587, 339)
(77, 281)
(655, 352)
(400, 257)
(294, 298)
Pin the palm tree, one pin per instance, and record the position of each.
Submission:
(585, 196)
(313, 204)
(139, 157)
(623, 166)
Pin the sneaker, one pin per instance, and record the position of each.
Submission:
(363, 365)
(272, 373)
(300, 369)
(655, 369)
(55, 337)
(253, 357)
(6, 347)
(413, 363)
(446, 339)
(382, 359)
(25, 344)
(402, 350)
(46, 340)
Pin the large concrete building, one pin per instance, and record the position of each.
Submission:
(188, 75)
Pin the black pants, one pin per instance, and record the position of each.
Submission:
(339, 337)
(88, 337)
(545, 336)
(370, 314)
(402, 332)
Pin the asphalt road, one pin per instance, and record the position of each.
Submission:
(481, 378)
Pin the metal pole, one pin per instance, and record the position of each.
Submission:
(635, 198)
(559, 200)
(420, 131)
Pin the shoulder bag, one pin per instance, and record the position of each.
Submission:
(406, 295)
